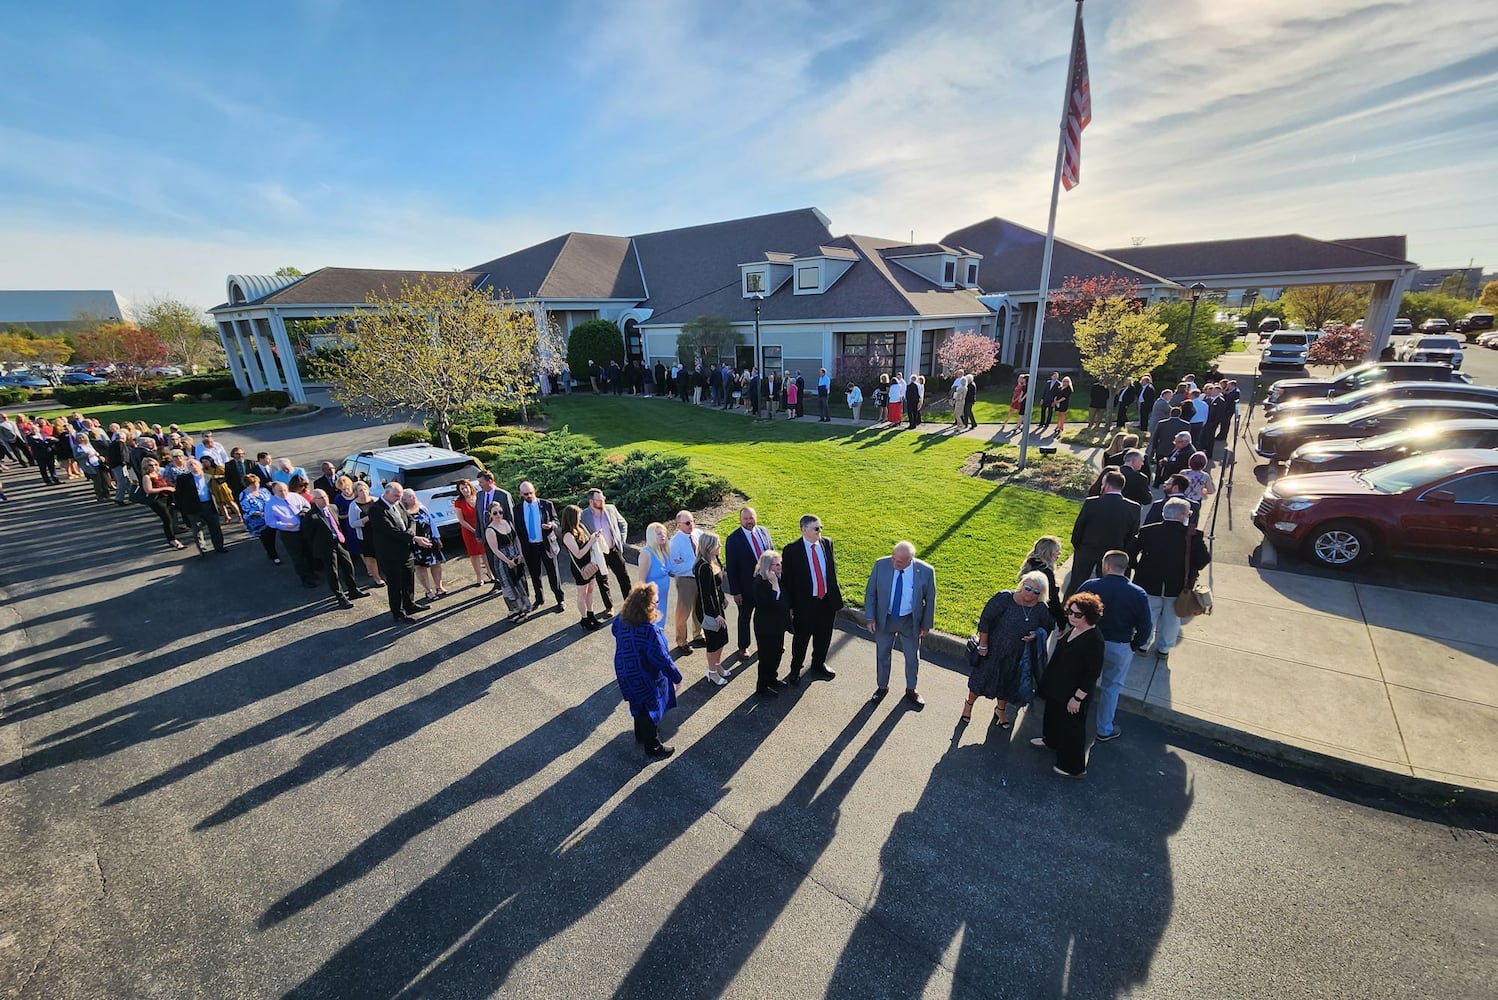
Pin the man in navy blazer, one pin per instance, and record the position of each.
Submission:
(741, 554)
(899, 602)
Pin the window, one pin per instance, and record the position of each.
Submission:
(773, 360)
(972, 273)
(886, 350)
(754, 281)
(808, 278)
(928, 350)
(1479, 489)
(949, 273)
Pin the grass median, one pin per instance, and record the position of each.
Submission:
(188, 416)
(871, 487)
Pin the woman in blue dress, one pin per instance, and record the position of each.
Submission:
(655, 555)
(252, 512)
(643, 666)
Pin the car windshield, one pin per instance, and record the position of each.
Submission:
(1290, 339)
(434, 477)
(1439, 344)
(1397, 477)
(1406, 435)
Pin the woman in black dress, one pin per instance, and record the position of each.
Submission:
(1043, 558)
(772, 617)
(1007, 626)
(1062, 404)
(710, 610)
(1067, 686)
(578, 545)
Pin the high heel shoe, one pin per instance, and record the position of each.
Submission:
(716, 679)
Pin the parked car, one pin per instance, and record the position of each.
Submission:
(1474, 323)
(1403, 327)
(1353, 379)
(82, 378)
(1286, 350)
(1432, 348)
(24, 380)
(164, 371)
(1435, 325)
(1301, 408)
(1369, 453)
(1442, 505)
(1241, 326)
(1278, 441)
(1489, 340)
(1268, 326)
(432, 472)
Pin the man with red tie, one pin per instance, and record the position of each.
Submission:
(740, 557)
(809, 578)
(325, 537)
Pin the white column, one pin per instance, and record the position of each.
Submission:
(288, 358)
(263, 342)
(231, 353)
(244, 337)
(1383, 308)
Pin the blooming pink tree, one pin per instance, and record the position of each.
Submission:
(1076, 296)
(1340, 345)
(967, 352)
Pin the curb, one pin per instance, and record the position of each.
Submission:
(278, 420)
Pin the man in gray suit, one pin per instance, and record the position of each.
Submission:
(900, 600)
(602, 516)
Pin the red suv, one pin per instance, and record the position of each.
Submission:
(1442, 505)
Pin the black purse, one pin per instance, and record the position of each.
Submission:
(973, 656)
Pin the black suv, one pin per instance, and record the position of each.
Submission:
(1474, 323)
(1357, 378)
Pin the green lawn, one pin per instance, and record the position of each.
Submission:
(870, 487)
(188, 416)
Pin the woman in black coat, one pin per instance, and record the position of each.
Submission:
(1067, 685)
(772, 618)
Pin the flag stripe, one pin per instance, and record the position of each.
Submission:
(1078, 115)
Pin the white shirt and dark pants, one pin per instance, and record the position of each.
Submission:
(683, 553)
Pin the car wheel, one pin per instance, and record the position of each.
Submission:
(1341, 545)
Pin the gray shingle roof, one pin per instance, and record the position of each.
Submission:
(1389, 246)
(1012, 256)
(350, 285)
(571, 266)
(1253, 255)
(22, 307)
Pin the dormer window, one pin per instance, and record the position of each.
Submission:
(754, 282)
(949, 272)
(808, 278)
(972, 272)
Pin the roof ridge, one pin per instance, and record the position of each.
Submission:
(728, 222)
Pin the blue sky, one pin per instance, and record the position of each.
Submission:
(155, 148)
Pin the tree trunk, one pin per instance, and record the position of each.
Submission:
(442, 429)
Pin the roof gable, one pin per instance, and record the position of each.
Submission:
(1256, 255)
(353, 285)
(571, 266)
(1012, 255)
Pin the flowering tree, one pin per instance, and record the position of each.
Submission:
(1340, 345)
(1077, 296)
(129, 348)
(968, 353)
(862, 370)
(1120, 342)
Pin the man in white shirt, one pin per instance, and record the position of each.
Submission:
(741, 554)
(604, 518)
(284, 470)
(283, 512)
(683, 553)
(210, 447)
(899, 602)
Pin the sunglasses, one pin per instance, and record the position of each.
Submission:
(1031, 589)
(1075, 613)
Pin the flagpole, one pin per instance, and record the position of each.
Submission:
(1050, 244)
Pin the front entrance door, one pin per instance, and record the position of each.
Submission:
(743, 357)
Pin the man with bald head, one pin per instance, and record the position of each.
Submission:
(388, 529)
(741, 552)
(899, 602)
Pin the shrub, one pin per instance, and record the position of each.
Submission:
(276, 398)
(410, 435)
(562, 465)
(476, 435)
(597, 340)
(183, 397)
(509, 413)
(9, 397)
(485, 456)
(653, 486)
(93, 395)
(225, 394)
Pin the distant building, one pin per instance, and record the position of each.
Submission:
(1430, 279)
(58, 311)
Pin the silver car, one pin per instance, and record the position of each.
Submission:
(1286, 350)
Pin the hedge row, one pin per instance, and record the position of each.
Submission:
(220, 387)
(277, 398)
(646, 486)
(11, 396)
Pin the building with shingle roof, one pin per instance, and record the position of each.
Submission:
(48, 311)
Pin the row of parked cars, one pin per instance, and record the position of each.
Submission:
(47, 376)
(1396, 459)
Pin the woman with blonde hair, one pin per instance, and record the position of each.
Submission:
(655, 561)
(772, 618)
(1062, 401)
(708, 572)
(1008, 630)
(579, 546)
(1044, 555)
(358, 511)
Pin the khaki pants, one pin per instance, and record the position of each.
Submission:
(685, 589)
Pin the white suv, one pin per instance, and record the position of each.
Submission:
(432, 472)
(1427, 347)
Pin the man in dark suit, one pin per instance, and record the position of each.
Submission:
(604, 517)
(536, 523)
(484, 499)
(263, 469)
(1109, 521)
(809, 580)
(1230, 398)
(390, 531)
(325, 538)
(327, 479)
(1163, 568)
(800, 395)
(1162, 442)
(741, 552)
(753, 390)
(1147, 396)
(1048, 401)
(195, 503)
(1136, 481)
(1175, 486)
(899, 602)
(234, 472)
(1126, 399)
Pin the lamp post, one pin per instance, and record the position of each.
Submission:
(1196, 293)
(759, 367)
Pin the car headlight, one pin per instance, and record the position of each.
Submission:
(1316, 459)
(1299, 503)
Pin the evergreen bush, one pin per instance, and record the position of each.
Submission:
(596, 340)
(277, 398)
(409, 435)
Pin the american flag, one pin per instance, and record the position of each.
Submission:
(1078, 113)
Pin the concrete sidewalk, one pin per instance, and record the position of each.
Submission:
(1382, 685)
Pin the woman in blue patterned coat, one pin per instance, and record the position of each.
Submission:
(642, 663)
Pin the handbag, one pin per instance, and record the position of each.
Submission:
(1196, 599)
(973, 656)
(138, 495)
